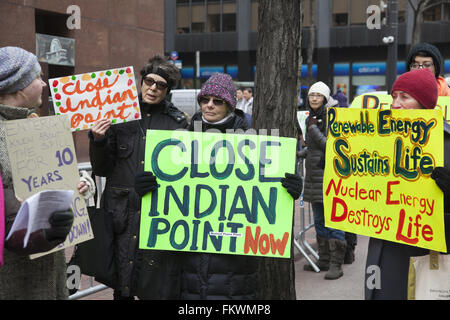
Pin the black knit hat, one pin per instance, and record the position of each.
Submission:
(431, 51)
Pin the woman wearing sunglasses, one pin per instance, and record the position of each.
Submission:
(221, 276)
(117, 153)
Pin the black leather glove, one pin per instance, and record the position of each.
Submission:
(144, 183)
(312, 120)
(293, 184)
(61, 223)
(442, 177)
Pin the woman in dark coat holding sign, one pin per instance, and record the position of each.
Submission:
(387, 265)
(223, 276)
(117, 153)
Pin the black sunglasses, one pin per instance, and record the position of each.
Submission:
(217, 102)
(159, 84)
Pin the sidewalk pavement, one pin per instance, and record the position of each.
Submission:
(309, 285)
(312, 285)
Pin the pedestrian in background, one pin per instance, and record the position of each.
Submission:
(240, 104)
(43, 278)
(117, 153)
(416, 89)
(428, 56)
(331, 242)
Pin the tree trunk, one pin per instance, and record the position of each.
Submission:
(275, 106)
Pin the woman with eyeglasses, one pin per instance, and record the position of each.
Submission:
(221, 276)
(428, 56)
(331, 242)
(117, 153)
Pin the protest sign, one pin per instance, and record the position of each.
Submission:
(301, 118)
(218, 193)
(377, 175)
(42, 156)
(89, 97)
(384, 101)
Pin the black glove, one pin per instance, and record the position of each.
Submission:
(61, 223)
(442, 177)
(311, 121)
(144, 183)
(293, 184)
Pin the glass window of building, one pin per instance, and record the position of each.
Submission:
(433, 14)
(340, 12)
(358, 10)
(213, 22)
(254, 16)
(183, 16)
(198, 16)
(446, 10)
(229, 16)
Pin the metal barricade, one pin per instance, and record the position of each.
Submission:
(300, 240)
(91, 289)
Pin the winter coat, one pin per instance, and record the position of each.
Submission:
(43, 278)
(443, 87)
(149, 274)
(392, 258)
(219, 276)
(316, 139)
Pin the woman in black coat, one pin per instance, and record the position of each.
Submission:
(223, 276)
(387, 262)
(117, 153)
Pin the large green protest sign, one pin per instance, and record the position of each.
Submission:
(218, 193)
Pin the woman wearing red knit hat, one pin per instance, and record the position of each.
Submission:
(416, 89)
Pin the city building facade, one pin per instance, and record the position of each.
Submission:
(221, 35)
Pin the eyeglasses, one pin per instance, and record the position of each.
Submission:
(417, 65)
(159, 84)
(217, 102)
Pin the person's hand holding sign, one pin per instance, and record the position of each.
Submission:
(293, 184)
(99, 129)
(442, 177)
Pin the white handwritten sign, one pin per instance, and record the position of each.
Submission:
(89, 97)
(42, 156)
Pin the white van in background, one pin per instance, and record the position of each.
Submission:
(185, 100)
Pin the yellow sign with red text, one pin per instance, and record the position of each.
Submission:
(377, 179)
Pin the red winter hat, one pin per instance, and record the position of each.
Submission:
(421, 84)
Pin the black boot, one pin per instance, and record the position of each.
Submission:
(350, 251)
(337, 253)
(324, 255)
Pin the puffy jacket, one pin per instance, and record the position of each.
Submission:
(219, 276)
(314, 152)
(119, 156)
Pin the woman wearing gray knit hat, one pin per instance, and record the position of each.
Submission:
(21, 278)
(426, 55)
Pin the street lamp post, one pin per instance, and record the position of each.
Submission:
(392, 41)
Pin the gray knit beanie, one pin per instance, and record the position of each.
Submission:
(220, 85)
(18, 68)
